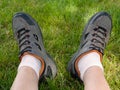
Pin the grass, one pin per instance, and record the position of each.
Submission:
(62, 23)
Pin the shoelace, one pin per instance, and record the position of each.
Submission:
(23, 37)
(98, 41)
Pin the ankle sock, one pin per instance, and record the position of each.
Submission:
(32, 62)
(87, 61)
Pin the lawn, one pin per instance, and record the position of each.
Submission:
(62, 23)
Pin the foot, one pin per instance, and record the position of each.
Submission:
(29, 37)
(95, 36)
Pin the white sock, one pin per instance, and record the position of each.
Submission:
(87, 61)
(31, 61)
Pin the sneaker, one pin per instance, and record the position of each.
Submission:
(95, 36)
(29, 37)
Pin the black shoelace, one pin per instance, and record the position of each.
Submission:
(23, 37)
(98, 40)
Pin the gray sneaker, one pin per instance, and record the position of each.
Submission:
(29, 38)
(95, 36)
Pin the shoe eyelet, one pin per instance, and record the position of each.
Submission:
(36, 37)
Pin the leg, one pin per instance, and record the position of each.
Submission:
(26, 79)
(28, 74)
(91, 76)
(92, 72)
(35, 61)
(86, 62)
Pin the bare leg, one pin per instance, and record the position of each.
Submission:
(94, 79)
(26, 79)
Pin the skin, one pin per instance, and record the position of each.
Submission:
(94, 79)
(26, 79)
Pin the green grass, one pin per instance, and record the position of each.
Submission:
(62, 23)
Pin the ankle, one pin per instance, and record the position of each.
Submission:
(88, 60)
(31, 62)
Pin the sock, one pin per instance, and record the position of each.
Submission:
(87, 61)
(31, 61)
